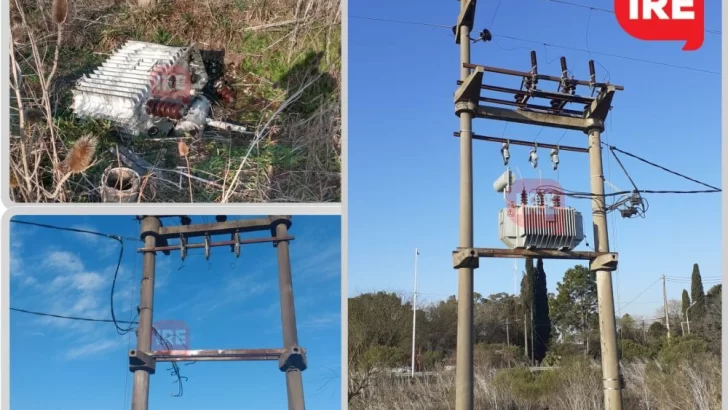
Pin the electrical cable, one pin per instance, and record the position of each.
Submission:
(613, 148)
(85, 319)
(710, 31)
(635, 59)
(120, 330)
(642, 293)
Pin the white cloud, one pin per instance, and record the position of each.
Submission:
(321, 321)
(88, 281)
(64, 260)
(95, 348)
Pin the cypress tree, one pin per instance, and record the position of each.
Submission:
(697, 294)
(685, 302)
(541, 319)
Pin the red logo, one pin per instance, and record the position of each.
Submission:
(171, 335)
(547, 213)
(673, 20)
(171, 83)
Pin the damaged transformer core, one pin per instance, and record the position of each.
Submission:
(146, 88)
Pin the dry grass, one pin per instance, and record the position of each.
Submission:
(282, 61)
(649, 386)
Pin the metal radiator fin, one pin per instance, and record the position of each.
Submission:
(541, 227)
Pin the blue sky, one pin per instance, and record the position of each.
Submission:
(227, 303)
(403, 160)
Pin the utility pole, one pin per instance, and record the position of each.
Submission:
(464, 394)
(525, 336)
(508, 342)
(140, 394)
(664, 298)
(294, 382)
(532, 360)
(414, 314)
(142, 360)
(687, 318)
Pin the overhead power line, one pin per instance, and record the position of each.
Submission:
(635, 59)
(120, 330)
(603, 10)
(85, 319)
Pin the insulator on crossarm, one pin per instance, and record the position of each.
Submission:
(555, 158)
(556, 200)
(539, 198)
(533, 158)
(505, 152)
(524, 197)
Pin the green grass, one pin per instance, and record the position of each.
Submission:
(264, 67)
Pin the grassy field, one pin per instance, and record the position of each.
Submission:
(282, 60)
(649, 385)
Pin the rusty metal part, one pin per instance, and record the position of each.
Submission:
(216, 355)
(224, 91)
(607, 259)
(208, 244)
(163, 108)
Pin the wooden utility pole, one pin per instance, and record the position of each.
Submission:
(589, 119)
(664, 298)
(291, 357)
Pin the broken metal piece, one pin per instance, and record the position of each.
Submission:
(236, 246)
(207, 246)
(182, 247)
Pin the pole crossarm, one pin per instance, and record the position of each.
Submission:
(470, 257)
(221, 228)
(216, 244)
(526, 143)
(593, 112)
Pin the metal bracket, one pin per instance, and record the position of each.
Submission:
(141, 361)
(605, 262)
(466, 18)
(465, 258)
(469, 90)
(294, 358)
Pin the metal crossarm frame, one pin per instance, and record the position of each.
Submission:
(291, 357)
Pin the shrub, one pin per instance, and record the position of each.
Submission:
(632, 351)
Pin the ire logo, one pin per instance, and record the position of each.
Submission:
(674, 20)
(174, 335)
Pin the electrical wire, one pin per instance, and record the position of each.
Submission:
(120, 330)
(710, 31)
(85, 319)
(635, 59)
(174, 370)
(642, 293)
(613, 148)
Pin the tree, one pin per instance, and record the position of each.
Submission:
(697, 294)
(541, 319)
(574, 309)
(628, 328)
(685, 302)
(709, 325)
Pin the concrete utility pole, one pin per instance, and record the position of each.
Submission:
(414, 315)
(291, 358)
(508, 343)
(664, 299)
(149, 230)
(294, 382)
(687, 318)
(464, 395)
(525, 336)
(605, 298)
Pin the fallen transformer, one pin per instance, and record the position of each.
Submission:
(157, 90)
